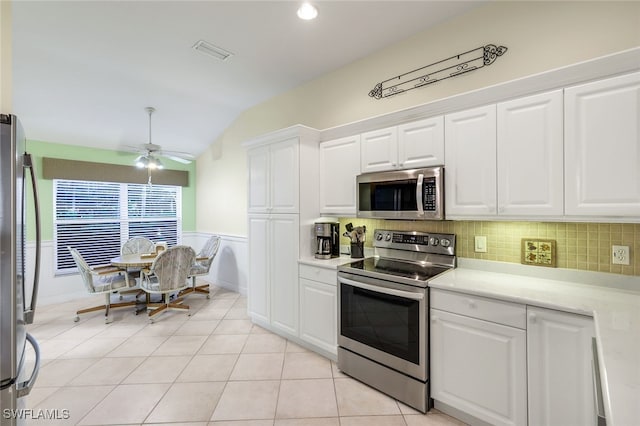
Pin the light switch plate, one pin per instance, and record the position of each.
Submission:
(480, 245)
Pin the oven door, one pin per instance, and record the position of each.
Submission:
(385, 322)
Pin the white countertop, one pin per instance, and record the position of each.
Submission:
(332, 263)
(614, 303)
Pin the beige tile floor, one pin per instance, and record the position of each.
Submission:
(211, 368)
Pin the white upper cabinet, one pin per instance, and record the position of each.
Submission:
(421, 143)
(379, 150)
(274, 178)
(530, 168)
(285, 178)
(339, 166)
(470, 167)
(602, 148)
(258, 165)
(408, 146)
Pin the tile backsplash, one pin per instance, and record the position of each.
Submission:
(585, 246)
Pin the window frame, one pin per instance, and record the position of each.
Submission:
(124, 219)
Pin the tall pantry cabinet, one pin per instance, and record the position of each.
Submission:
(282, 200)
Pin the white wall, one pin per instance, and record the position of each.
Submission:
(539, 35)
(229, 269)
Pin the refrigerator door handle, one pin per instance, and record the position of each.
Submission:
(23, 388)
(30, 312)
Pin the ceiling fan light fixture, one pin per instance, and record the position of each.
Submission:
(307, 11)
(155, 164)
(142, 161)
(211, 50)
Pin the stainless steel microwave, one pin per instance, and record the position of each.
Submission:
(401, 194)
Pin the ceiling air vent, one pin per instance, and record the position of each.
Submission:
(211, 50)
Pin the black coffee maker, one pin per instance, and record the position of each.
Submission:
(327, 240)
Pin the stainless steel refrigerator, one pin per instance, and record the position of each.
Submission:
(17, 182)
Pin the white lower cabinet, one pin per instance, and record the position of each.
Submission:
(478, 366)
(559, 363)
(486, 365)
(319, 308)
(273, 271)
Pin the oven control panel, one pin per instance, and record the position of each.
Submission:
(415, 241)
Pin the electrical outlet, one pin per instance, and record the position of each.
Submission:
(480, 245)
(620, 255)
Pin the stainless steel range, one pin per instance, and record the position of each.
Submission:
(383, 303)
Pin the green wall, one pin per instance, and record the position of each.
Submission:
(39, 149)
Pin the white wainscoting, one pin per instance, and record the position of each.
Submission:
(229, 269)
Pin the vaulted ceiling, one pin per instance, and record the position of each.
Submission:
(84, 71)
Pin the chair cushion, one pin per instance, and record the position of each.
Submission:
(198, 269)
(109, 283)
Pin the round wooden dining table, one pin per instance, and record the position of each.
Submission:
(135, 260)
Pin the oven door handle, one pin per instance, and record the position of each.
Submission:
(380, 289)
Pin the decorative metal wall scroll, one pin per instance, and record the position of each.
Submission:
(441, 70)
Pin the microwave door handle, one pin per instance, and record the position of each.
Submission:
(420, 194)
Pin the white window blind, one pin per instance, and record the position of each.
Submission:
(98, 217)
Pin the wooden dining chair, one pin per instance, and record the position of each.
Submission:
(202, 265)
(103, 279)
(168, 275)
(138, 245)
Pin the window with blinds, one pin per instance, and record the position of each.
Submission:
(98, 217)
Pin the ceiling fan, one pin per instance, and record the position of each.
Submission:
(150, 152)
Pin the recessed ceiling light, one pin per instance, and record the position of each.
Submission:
(211, 50)
(307, 11)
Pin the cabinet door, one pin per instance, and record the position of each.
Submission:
(285, 178)
(259, 246)
(470, 166)
(283, 274)
(479, 367)
(339, 166)
(318, 314)
(559, 364)
(379, 150)
(530, 156)
(602, 148)
(421, 143)
(258, 169)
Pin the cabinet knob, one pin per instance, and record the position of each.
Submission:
(434, 319)
(533, 317)
(472, 303)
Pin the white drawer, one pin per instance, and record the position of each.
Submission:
(498, 311)
(323, 275)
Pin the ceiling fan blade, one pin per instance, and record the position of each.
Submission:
(132, 148)
(183, 157)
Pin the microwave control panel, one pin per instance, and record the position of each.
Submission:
(429, 194)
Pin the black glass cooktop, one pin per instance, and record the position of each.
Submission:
(375, 266)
